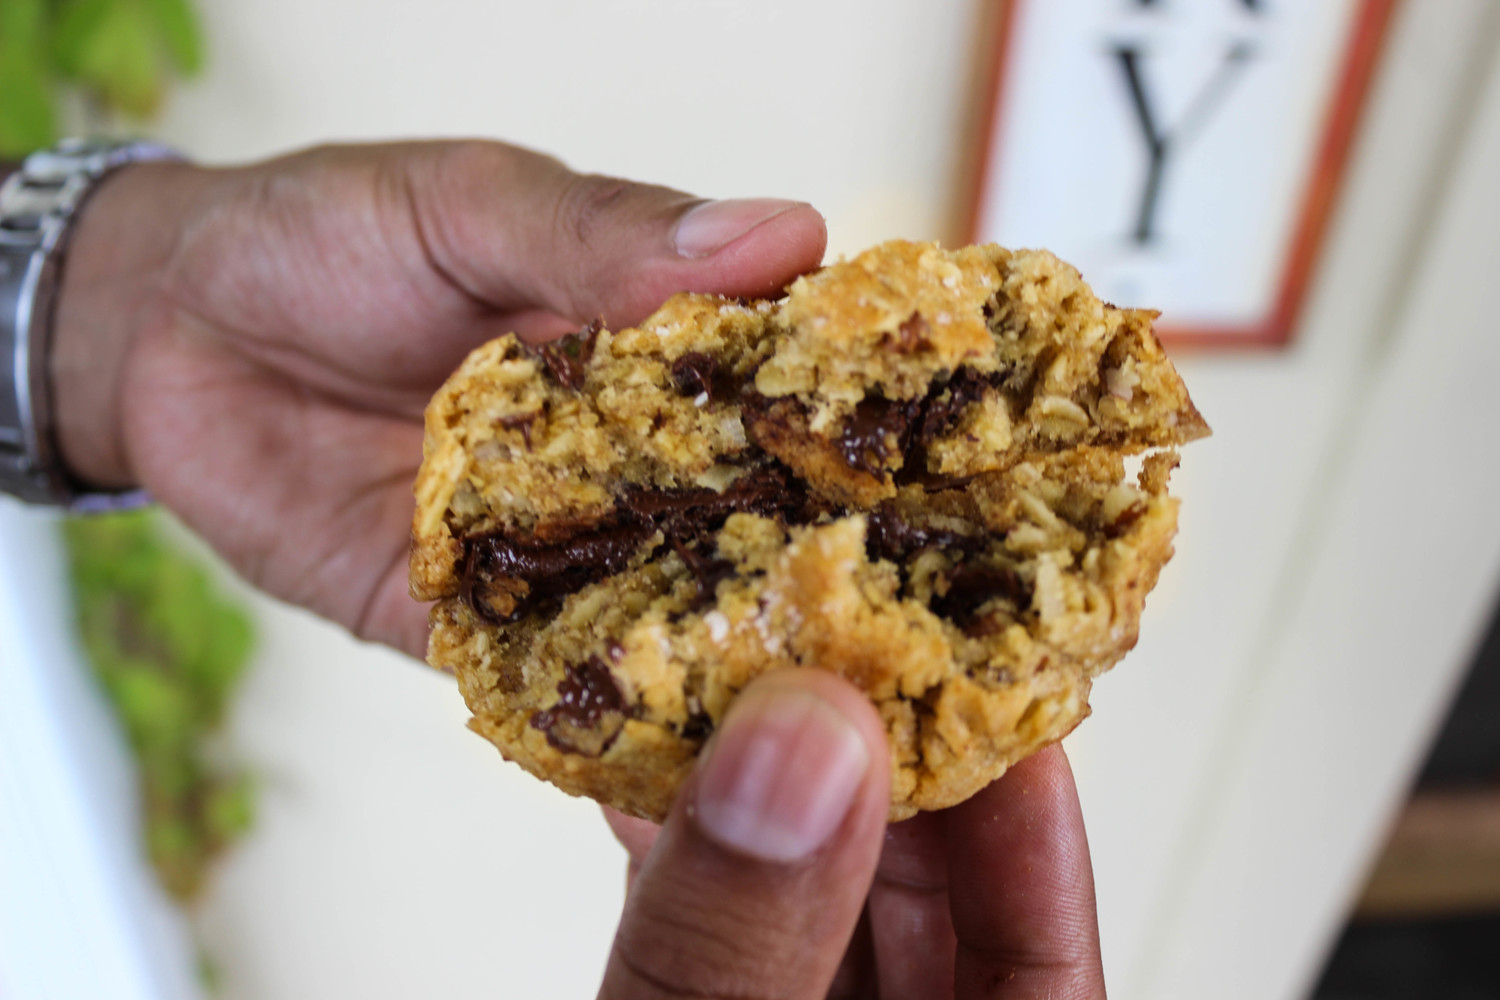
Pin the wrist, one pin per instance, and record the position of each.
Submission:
(122, 239)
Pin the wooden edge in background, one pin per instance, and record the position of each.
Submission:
(1442, 858)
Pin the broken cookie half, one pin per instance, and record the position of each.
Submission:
(910, 471)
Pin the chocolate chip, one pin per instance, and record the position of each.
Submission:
(521, 422)
(568, 357)
(586, 694)
(1124, 520)
(693, 374)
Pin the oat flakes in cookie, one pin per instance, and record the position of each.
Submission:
(909, 471)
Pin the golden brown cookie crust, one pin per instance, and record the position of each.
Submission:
(909, 471)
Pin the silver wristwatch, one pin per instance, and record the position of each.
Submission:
(37, 205)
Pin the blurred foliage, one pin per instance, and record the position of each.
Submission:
(169, 650)
(119, 54)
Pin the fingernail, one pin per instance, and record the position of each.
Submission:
(781, 774)
(713, 225)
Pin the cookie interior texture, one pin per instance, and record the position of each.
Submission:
(910, 470)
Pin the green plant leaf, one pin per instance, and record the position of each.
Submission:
(167, 649)
(75, 25)
(116, 57)
(177, 26)
(27, 121)
(155, 711)
(22, 25)
(123, 50)
(230, 810)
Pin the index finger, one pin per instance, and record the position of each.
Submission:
(1021, 888)
(637, 836)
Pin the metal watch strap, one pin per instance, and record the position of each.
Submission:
(37, 205)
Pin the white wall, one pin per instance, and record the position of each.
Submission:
(398, 856)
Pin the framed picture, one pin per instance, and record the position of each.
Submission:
(1185, 154)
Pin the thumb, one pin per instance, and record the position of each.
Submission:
(519, 230)
(759, 876)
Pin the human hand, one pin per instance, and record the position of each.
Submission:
(776, 875)
(255, 346)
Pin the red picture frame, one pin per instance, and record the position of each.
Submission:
(1320, 191)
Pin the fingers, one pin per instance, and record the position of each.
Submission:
(637, 836)
(1021, 887)
(518, 230)
(911, 925)
(758, 878)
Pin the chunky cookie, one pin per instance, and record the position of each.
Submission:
(910, 470)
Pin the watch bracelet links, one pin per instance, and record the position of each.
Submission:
(38, 203)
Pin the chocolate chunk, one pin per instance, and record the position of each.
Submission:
(971, 585)
(911, 335)
(697, 727)
(567, 358)
(586, 694)
(875, 434)
(693, 374)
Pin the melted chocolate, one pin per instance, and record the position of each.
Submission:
(942, 408)
(550, 570)
(693, 374)
(881, 429)
(890, 536)
(586, 692)
(567, 358)
(609, 549)
(556, 569)
(707, 572)
(876, 433)
(769, 491)
(972, 584)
